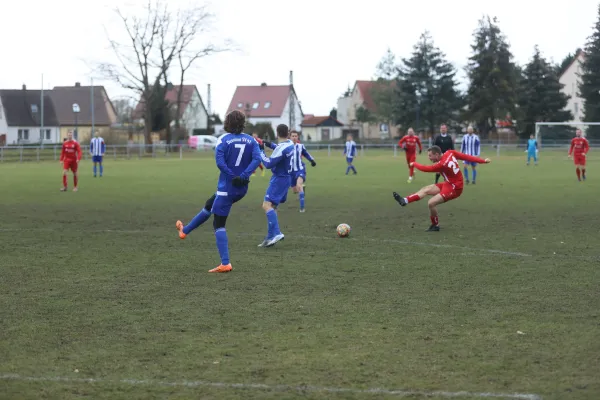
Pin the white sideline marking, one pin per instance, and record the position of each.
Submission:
(468, 251)
(276, 388)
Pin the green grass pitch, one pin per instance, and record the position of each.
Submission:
(100, 299)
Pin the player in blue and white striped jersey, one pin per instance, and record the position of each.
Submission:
(299, 168)
(471, 145)
(97, 150)
(350, 153)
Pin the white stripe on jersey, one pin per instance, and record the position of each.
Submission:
(96, 146)
(470, 145)
(297, 164)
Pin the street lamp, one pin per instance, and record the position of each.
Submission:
(76, 112)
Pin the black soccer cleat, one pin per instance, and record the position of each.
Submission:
(433, 228)
(400, 199)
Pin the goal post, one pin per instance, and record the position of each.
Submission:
(559, 134)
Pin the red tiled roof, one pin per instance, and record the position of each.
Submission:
(171, 96)
(248, 96)
(308, 116)
(366, 88)
(316, 121)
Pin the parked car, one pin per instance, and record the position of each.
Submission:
(202, 142)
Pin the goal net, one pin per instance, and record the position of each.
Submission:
(558, 135)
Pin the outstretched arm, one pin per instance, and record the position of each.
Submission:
(306, 154)
(271, 162)
(437, 167)
(466, 157)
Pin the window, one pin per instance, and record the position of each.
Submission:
(255, 106)
(267, 104)
(23, 134)
(34, 108)
(324, 134)
(45, 134)
(240, 105)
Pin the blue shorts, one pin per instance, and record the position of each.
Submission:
(224, 201)
(299, 174)
(349, 160)
(97, 159)
(278, 190)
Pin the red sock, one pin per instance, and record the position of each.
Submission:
(75, 179)
(434, 220)
(411, 171)
(64, 181)
(260, 166)
(413, 197)
(578, 173)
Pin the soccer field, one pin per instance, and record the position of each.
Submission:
(100, 299)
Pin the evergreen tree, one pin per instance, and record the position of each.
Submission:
(540, 96)
(589, 89)
(426, 90)
(493, 77)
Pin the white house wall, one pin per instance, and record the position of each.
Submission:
(285, 115)
(3, 125)
(12, 138)
(195, 115)
(571, 82)
(343, 110)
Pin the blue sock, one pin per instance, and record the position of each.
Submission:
(301, 195)
(94, 169)
(101, 169)
(222, 245)
(467, 174)
(198, 220)
(273, 224)
(474, 175)
(348, 169)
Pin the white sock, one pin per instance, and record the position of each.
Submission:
(405, 200)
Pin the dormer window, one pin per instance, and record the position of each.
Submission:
(34, 108)
(255, 105)
(267, 104)
(240, 105)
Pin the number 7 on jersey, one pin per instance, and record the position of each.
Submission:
(242, 147)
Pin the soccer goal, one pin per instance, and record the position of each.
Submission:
(558, 135)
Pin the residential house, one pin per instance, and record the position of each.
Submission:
(571, 81)
(193, 116)
(102, 116)
(21, 117)
(321, 129)
(270, 104)
(361, 96)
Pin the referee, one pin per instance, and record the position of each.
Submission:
(444, 142)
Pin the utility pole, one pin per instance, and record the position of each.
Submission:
(292, 102)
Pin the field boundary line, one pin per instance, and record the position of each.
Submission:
(276, 388)
(469, 251)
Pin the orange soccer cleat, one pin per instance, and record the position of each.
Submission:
(179, 226)
(222, 268)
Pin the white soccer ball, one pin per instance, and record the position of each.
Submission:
(343, 230)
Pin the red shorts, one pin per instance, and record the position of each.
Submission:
(448, 191)
(411, 157)
(70, 164)
(579, 159)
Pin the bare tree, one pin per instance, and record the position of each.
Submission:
(156, 38)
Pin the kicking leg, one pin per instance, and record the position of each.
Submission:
(222, 244)
(430, 190)
(198, 220)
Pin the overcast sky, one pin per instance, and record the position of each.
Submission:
(328, 44)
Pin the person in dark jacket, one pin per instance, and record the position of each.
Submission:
(444, 142)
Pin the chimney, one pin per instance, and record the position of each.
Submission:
(24, 87)
(263, 84)
(77, 84)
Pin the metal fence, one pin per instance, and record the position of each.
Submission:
(132, 152)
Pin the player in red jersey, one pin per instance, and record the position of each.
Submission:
(69, 158)
(409, 143)
(447, 165)
(579, 148)
(259, 140)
